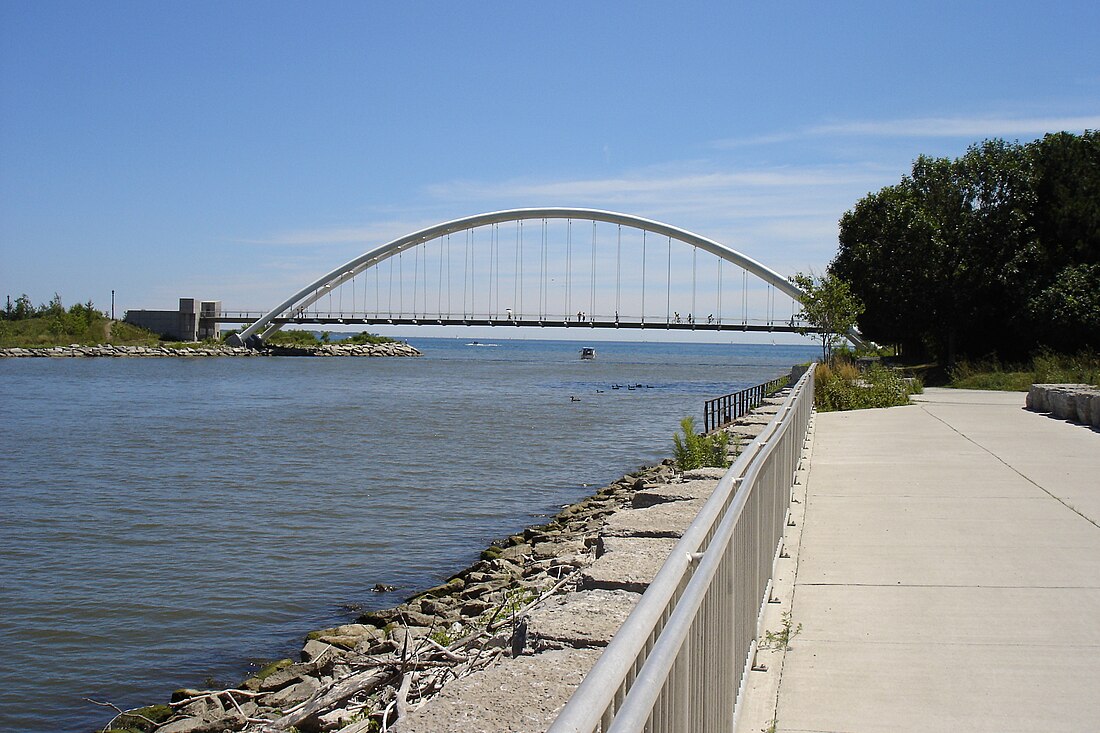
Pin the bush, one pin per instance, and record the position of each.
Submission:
(694, 450)
(841, 386)
(294, 338)
(368, 338)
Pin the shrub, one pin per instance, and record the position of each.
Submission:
(694, 450)
(841, 386)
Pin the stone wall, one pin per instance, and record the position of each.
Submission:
(1075, 402)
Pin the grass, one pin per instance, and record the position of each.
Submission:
(840, 385)
(1044, 368)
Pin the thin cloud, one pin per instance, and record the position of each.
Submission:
(976, 127)
(627, 187)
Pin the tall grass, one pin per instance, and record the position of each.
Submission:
(1044, 368)
(695, 451)
(841, 386)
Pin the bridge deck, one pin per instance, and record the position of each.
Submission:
(948, 574)
(682, 325)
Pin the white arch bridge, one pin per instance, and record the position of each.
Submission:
(543, 267)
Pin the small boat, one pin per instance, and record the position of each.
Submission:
(588, 353)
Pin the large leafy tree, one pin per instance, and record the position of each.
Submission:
(952, 260)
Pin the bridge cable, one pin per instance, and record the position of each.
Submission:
(568, 268)
(591, 316)
(643, 275)
(416, 277)
(618, 270)
(744, 297)
(448, 276)
(719, 291)
(668, 285)
(694, 257)
(400, 284)
(517, 281)
(542, 276)
(494, 269)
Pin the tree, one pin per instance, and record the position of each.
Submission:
(952, 261)
(829, 305)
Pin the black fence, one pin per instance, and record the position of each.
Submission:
(721, 411)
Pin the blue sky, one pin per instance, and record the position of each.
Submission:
(237, 150)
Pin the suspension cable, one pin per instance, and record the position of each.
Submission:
(592, 307)
(694, 257)
(643, 275)
(618, 270)
(465, 272)
(719, 311)
(744, 297)
(494, 272)
(568, 268)
(542, 276)
(668, 285)
(416, 276)
(517, 283)
(449, 311)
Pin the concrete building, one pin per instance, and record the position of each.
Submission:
(193, 321)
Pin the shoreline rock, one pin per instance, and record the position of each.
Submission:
(395, 348)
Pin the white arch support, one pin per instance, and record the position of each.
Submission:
(305, 297)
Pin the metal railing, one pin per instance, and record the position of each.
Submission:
(721, 411)
(678, 662)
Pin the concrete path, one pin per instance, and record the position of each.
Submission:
(948, 574)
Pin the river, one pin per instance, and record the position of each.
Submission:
(170, 522)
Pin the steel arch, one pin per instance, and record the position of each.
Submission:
(315, 290)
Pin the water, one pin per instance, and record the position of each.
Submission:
(169, 522)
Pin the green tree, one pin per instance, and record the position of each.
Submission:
(828, 305)
(950, 262)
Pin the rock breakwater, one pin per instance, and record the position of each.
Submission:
(498, 646)
(199, 351)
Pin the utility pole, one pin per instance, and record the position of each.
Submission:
(112, 304)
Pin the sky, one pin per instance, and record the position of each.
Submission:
(238, 150)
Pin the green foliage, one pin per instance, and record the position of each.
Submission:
(841, 386)
(51, 324)
(994, 252)
(829, 305)
(294, 337)
(1045, 368)
(694, 450)
(368, 338)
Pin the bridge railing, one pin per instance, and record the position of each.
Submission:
(408, 317)
(678, 663)
(721, 411)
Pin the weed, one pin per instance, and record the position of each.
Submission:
(694, 450)
(781, 639)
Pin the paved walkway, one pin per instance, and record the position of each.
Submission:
(948, 574)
